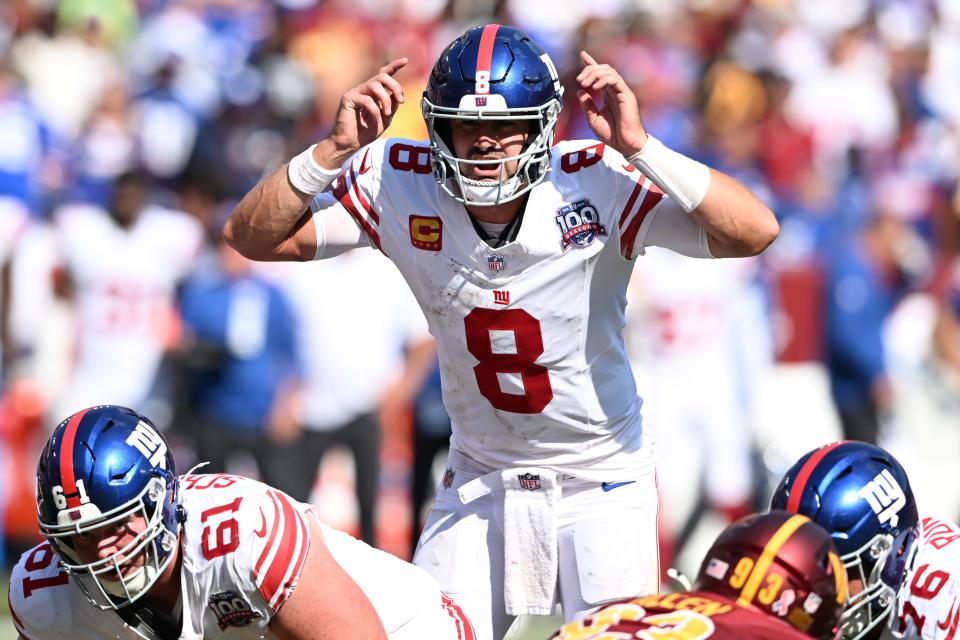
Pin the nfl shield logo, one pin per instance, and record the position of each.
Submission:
(529, 481)
(495, 263)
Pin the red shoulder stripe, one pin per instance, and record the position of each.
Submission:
(464, 626)
(273, 536)
(342, 193)
(361, 198)
(13, 614)
(633, 198)
(290, 552)
(650, 199)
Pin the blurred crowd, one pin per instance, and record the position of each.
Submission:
(129, 127)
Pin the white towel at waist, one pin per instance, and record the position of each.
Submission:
(530, 496)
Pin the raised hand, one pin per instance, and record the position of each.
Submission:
(366, 110)
(618, 123)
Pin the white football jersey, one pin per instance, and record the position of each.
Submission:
(529, 335)
(124, 281)
(928, 604)
(244, 546)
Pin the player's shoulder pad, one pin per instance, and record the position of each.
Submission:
(272, 534)
(39, 595)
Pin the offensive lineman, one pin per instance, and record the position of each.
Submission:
(904, 571)
(519, 253)
(771, 576)
(133, 551)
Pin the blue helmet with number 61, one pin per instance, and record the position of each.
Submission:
(106, 472)
(861, 495)
(492, 72)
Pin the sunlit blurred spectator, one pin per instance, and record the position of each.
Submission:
(431, 437)
(106, 147)
(362, 331)
(66, 72)
(26, 146)
(115, 20)
(120, 267)
(849, 103)
(238, 353)
(865, 280)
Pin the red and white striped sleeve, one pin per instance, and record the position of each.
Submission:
(644, 196)
(350, 198)
(280, 547)
(652, 219)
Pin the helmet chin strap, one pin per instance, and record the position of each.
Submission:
(488, 192)
(135, 583)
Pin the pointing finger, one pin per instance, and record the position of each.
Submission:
(395, 65)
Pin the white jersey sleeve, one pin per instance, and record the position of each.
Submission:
(649, 217)
(244, 546)
(344, 213)
(928, 605)
(39, 596)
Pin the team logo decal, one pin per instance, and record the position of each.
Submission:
(501, 297)
(496, 263)
(149, 443)
(448, 477)
(885, 497)
(232, 610)
(480, 101)
(529, 481)
(579, 224)
(426, 232)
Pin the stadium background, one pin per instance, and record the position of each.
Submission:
(845, 117)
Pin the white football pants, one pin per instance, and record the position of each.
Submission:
(607, 545)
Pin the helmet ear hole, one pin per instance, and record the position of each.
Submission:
(445, 132)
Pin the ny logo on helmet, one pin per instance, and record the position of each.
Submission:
(149, 443)
(885, 497)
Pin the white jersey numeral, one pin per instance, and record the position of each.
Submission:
(149, 443)
(885, 497)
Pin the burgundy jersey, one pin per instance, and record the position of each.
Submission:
(693, 615)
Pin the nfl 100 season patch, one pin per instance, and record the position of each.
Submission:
(232, 610)
(579, 224)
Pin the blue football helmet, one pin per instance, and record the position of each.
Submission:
(492, 73)
(103, 469)
(860, 494)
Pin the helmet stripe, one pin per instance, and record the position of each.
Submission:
(67, 479)
(840, 575)
(485, 54)
(800, 483)
(777, 540)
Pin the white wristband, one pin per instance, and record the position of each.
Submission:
(683, 179)
(307, 176)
